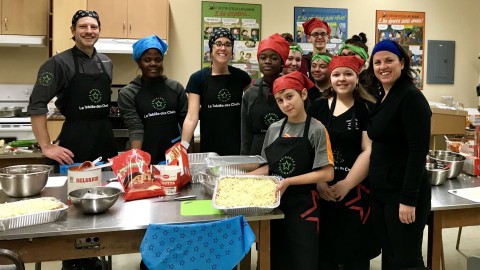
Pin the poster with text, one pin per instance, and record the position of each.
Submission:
(408, 29)
(244, 22)
(337, 19)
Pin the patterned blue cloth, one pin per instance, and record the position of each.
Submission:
(198, 246)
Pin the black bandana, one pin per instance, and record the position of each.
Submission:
(218, 33)
(85, 13)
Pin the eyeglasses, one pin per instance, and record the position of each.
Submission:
(316, 35)
(219, 44)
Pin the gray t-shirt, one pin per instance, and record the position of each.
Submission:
(317, 135)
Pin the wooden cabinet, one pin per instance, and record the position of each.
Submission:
(61, 21)
(24, 17)
(131, 18)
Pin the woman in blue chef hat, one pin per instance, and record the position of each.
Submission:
(152, 106)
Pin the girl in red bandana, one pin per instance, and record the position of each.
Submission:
(297, 149)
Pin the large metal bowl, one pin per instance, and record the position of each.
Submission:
(448, 159)
(24, 180)
(436, 174)
(94, 200)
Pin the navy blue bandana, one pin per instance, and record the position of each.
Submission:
(85, 13)
(218, 33)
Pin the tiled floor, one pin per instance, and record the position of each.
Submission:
(454, 260)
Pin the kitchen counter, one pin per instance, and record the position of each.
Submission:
(10, 159)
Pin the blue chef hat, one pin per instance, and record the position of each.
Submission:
(150, 42)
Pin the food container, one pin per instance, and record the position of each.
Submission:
(10, 111)
(233, 165)
(24, 180)
(34, 218)
(249, 210)
(169, 178)
(437, 174)
(447, 159)
(80, 179)
(198, 164)
(208, 183)
(94, 200)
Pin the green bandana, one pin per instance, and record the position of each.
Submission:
(296, 48)
(356, 49)
(324, 57)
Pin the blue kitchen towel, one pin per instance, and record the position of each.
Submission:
(198, 246)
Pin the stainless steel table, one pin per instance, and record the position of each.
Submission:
(450, 211)
(120, 230)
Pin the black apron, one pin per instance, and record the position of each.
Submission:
(347, 234)
(263, 113)
(87, 132)
(294, 240)
(157, 106)
(220, 115)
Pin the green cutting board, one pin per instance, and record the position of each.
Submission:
(198, 208)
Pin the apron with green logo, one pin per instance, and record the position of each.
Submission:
(87, 132)
(294, 240)
(220, 115)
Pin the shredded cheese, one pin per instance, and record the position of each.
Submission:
(31, 206)
(246, 192)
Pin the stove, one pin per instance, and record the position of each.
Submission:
(18, 127)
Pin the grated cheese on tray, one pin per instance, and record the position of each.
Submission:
(246, 192)
(30, 206)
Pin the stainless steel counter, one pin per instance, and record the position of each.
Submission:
(122, 216)
(442, 200)
(120, 229)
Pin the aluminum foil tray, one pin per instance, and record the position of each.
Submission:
(32, 219)
(233, 165)
(246, 210)
(198, 164)
(208, 183)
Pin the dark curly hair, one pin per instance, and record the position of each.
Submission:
(359, 40)
(407, 71)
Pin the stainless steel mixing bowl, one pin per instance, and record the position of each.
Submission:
(448, 159)
(436, 174)
(24, 180)
(94, 200)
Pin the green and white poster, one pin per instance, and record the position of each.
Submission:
(244, 22)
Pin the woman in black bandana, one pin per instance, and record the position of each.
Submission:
(215, 97)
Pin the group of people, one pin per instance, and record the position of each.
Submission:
(348, 140)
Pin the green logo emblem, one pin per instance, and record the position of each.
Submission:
(224, 95)
(270, 118)
(95, 95)
(286, 165)
(46, 78)
(159, 103)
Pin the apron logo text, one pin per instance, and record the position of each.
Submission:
(89, 107)
(233, 104)
(158, 114)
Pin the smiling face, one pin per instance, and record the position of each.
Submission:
(319, 39)
(270, 63)
(85, 32)
(293, 63)
(222, 54)
(291, 103)
(343, 81)
(151, 64)
(387, 67)
(319, 70)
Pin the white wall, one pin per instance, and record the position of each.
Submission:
(445, 20)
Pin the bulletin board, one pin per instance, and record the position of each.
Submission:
(408, 29)
(244, 22)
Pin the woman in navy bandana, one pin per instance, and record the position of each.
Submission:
(215, 97)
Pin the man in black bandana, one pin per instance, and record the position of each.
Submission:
(80, 78)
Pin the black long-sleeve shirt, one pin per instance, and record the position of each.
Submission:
(400, 131)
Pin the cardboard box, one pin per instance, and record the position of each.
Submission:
(445, 121)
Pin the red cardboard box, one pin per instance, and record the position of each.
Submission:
(177, 155)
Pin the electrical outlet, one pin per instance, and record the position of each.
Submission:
(87, 243)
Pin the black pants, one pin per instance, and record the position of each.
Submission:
(352, 265)
(401, 243)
